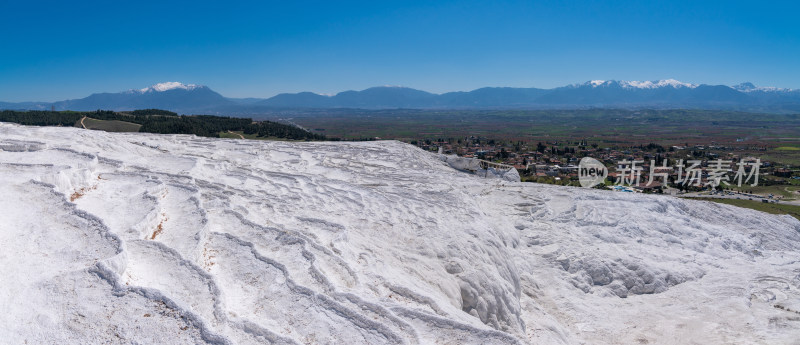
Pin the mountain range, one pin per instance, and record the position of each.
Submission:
(670, 93)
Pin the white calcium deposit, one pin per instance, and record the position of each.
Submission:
(174, 239)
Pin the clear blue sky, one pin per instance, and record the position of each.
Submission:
(69, 49)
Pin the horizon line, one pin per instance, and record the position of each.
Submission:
(591, 81)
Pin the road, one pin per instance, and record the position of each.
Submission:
(742, 196)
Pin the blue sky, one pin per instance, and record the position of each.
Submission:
(61, 50)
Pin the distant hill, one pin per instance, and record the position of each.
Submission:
(662, 94)
(492, 97)
(596, 93)
(162, 96)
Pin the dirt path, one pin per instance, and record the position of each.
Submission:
(84, 126)
(240, 136)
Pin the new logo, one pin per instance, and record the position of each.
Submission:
(591, 172)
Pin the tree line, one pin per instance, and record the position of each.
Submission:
(41, 118)
(164, 122)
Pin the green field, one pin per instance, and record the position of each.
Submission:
(791, 210)
(788, 192)
(109, 126)
(606, 127)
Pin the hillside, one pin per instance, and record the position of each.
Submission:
(145, 238)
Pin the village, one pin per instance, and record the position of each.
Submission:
(686, 168)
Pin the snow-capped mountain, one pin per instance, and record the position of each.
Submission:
(666, 93)
(171, 85)
(749, 87)
(140, 239)
(640, 84)
(187, 98)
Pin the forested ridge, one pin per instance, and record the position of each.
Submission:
(164, 122)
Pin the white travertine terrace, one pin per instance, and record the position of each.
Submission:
(141, 238)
